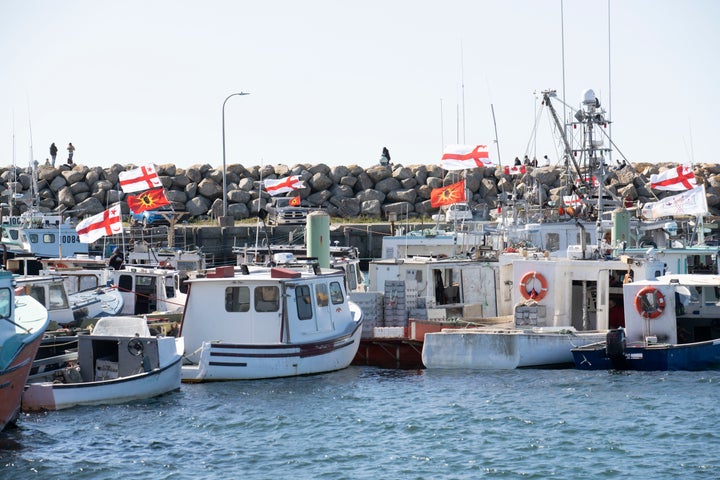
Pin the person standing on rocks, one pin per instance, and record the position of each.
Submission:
(71, 150)
(53, 153)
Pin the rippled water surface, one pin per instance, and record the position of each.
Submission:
(364, 422)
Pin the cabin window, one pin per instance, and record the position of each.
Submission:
(58, 299)
(87, 282)
(267, 299)
(49, 238)
(321, 295)
(169, 287)
(38, 293)
(336, 294)
(552, 242)
(5, 302)
(125, 283)
(352, 277)
(302, 299)
(13, 234)
(586, 235)
(237, 299)
(33, 238)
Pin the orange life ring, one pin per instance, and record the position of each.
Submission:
(648, 308)
(533, 294)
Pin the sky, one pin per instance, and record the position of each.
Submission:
(333, 82)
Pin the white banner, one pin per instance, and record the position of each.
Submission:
(691, 202)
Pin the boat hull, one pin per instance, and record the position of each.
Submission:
(57, 396)
(482, 349)
(658, 357)
(223, 361)
(12, 381)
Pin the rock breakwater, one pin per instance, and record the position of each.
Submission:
(344, 191)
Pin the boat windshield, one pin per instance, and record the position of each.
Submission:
(5, 298)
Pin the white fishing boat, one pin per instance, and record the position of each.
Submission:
(22, 323)
(266, 322)
(672, 323)
(118, 362)
(558, 303)
(70, 310)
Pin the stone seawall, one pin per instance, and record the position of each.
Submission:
(344, 191)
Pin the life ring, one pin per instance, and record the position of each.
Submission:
(533, 294)
(650, 302)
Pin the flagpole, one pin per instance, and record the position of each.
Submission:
(257, 225)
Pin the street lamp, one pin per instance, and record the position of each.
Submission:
(223, 142)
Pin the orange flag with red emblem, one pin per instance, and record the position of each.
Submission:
(448, 195)
(149, 200)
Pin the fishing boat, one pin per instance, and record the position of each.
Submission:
(558, 302)
(266, 322)
(671, 323)
(22, 323)
(118, 362)
(70, 310)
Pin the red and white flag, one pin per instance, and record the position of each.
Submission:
(105, 223)
(591, 180)
(283, 185)
(572, 200)
(139, 179)
(678, 179)
(461, 157)
(514, 170)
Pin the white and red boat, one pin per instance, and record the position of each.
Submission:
(259, 322)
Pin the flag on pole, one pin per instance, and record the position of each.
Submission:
(149, 200)
(139, 179)
(514, 170)
(679, 178)
(294, 201)
(572, 200)
(461, 157)
(105, 223)
(690, 202)
(591, 180)
(448, 195)
(283, 185)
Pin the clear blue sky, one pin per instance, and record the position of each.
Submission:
(140, 81)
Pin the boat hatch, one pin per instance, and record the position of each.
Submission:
(278, 272)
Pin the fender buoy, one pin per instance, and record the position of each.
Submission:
(534, 293)
(650, 302)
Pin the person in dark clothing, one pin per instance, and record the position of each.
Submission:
(385, 157)
(53, 153)
(116, 260)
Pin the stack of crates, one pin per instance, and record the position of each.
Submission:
(395, 304)
(371, 304)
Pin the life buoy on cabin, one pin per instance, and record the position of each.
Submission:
(650, 302)
(534, 293)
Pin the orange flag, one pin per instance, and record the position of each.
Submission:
(149, 200)
(448, 195)
(295, 201)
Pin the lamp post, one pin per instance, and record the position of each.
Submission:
(223, 145)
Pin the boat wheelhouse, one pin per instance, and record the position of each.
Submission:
(257, 322)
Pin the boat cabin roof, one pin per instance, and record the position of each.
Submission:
(262, 274)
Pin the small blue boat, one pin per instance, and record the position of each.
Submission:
(672, 323)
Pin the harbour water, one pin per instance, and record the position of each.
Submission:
(367, 423)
